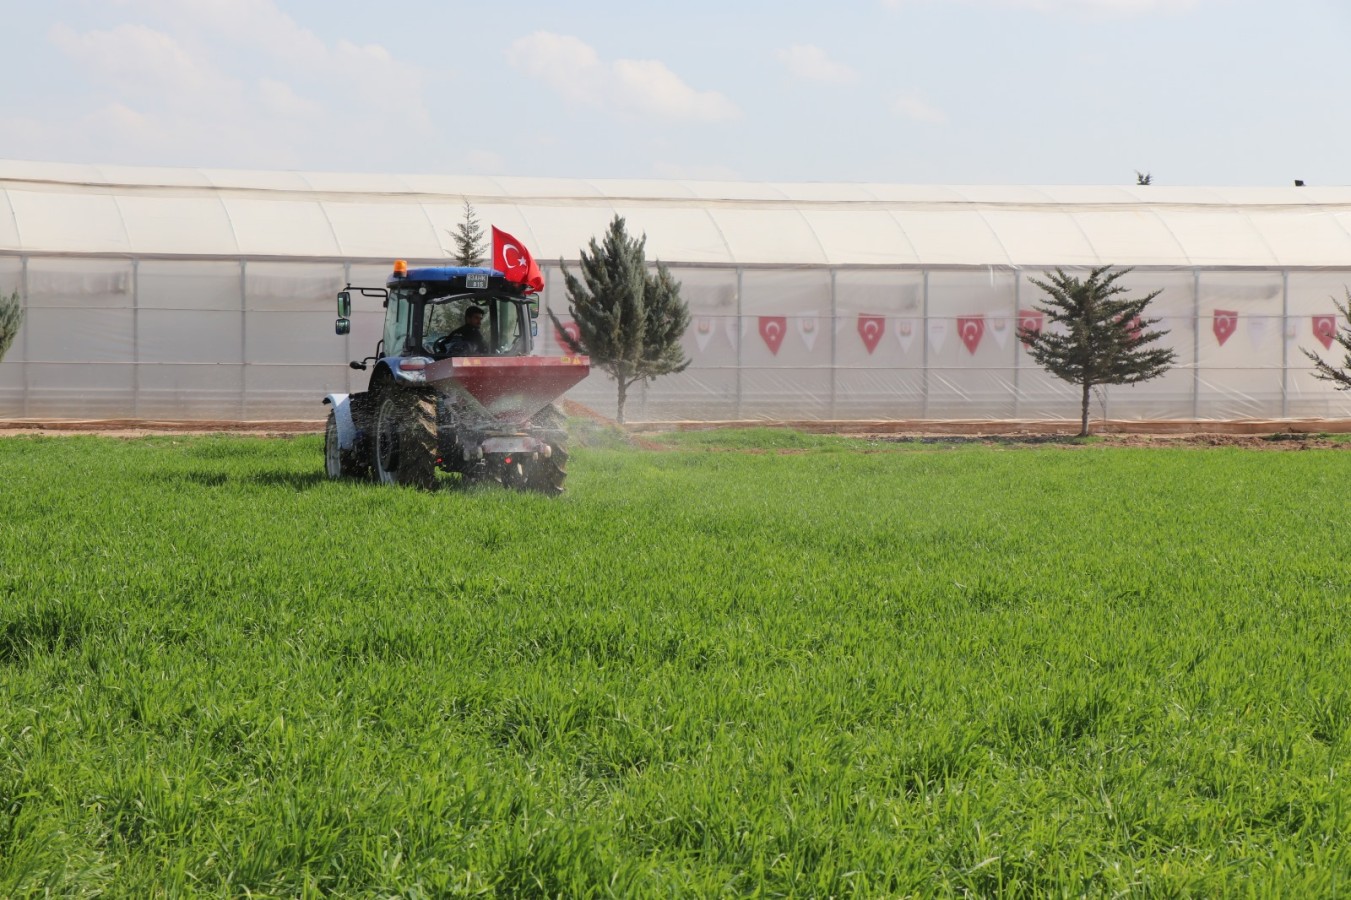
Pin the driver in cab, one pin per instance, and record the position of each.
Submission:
(467, 340)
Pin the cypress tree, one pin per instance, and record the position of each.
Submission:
(1104, 337)
(629, 321)
(11, 317)
(468, 239)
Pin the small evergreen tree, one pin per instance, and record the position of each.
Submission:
(1105, 334)
(1323, 371)
(1143, 178)
(629, 321)
(11, 317)
(469, 239)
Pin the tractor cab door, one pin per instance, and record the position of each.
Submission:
(398, 322)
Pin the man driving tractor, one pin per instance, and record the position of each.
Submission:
(467, 340)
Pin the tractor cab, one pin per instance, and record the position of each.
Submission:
(446, 311)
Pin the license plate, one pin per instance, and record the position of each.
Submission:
(478, 281)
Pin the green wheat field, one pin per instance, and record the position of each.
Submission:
(755, 663)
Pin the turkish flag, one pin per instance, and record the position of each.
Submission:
(871, 329)
(1325, 329)
(972, 329)
(1029, 324)
(514, 261)
(772, 329)
(1226, 320)
(572, 330)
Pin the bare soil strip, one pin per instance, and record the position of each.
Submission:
(1274, 434)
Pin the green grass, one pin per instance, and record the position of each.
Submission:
(984, 671)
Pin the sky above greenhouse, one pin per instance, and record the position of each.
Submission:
(1195, 92)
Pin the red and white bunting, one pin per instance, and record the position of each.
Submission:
(1000, 329)
(905, 332)
(703, 331)
(870, 329)
(1259, 328)
(772, 330)
(938, 333)
(1325, 329)
(971, 329)
(1224, 323)
(809, 328)
(572, 330)
(1030, 320)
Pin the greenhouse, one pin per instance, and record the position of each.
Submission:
(176, 294)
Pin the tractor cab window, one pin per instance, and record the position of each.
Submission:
(398, 321)
(444, 331)
(448, 327)
(508, 336)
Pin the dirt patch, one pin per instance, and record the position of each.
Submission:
(132, 428)
(1250, 442)
(591, 428)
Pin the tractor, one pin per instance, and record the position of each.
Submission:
(453, 386)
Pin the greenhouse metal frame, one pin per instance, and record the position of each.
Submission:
(196, 295)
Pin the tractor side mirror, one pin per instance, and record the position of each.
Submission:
(534, 328)
(343, 326)
(344, 305)
(533, 306)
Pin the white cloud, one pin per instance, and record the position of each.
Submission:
(912, 106)
(369, 73)
(139, 59)
(647, 86)
(813, 64)
(230, 82)
(569, 65)
(280, 99)
(641, 87)
(1111, 7)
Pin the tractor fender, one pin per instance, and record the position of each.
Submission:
(393, 366)
(342, 414)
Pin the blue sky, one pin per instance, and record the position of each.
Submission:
(1225, 92)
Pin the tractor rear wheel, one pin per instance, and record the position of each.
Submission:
(339, 463)
(405, 438)
(546, 476)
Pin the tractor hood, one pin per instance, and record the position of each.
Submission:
(510, 389)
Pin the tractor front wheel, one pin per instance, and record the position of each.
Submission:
(405, 438)
(339, 463)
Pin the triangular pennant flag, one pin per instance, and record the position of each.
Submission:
(971, 329)
(572, 330)
(1224, 323)
(938, 333)
(1325, 329)
(703, 331)
(1030, 320)
(772, 329)
(905, 332)
(871, 329)
(1258, 329)
(808, 327)
(1000, 328)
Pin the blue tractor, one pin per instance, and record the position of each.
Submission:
(454, 386)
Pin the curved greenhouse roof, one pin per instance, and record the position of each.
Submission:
(48, 208)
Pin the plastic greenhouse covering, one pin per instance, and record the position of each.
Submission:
(209, 295)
